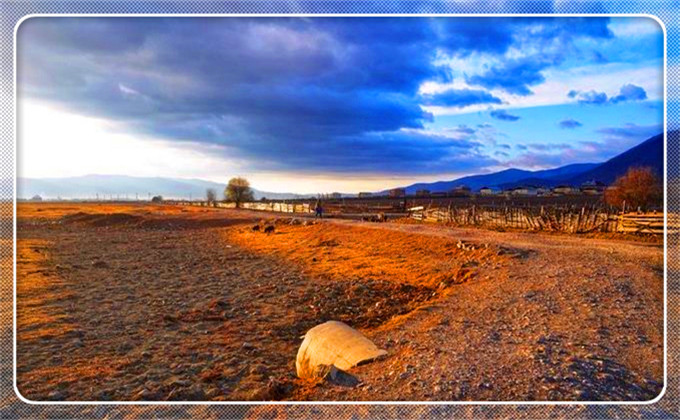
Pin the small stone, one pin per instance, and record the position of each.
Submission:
(145, 394)
(99, 264)
(55, 395)
(258, 370)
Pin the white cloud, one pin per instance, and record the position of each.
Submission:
(606, 78)
(57, 143)
(634, 27)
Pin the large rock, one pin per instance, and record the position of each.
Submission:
(333, 344)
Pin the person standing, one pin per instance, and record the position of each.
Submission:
(318, 210)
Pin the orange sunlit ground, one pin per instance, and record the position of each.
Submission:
(162, 302)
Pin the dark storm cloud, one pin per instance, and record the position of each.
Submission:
(460, 98)
(501, 114)
(334, 94)
(554, 43)
(514, 76)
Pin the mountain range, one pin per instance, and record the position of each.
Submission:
(127, 187)
(648, 153)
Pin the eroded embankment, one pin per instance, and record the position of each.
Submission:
(364, 276)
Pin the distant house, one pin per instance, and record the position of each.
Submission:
(439, 194)
(397, 192)
(593, 187)
(365, 194)
(486, 191)
(423, 193)
(565, 190)
(335, 195)
(461, 191)
(542, 191)
(525, 191)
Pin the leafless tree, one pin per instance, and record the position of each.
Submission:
(211, 196)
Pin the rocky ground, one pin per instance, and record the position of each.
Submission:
(170, 303)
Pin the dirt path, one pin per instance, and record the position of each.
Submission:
(161, 303)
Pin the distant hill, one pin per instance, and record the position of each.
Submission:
(88, 186)
(648, 153)
(506, 177)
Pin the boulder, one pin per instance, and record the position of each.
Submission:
(333, 343)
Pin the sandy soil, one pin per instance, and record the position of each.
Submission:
(139, 302)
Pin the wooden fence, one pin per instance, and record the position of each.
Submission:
(582, 220)
(262, 206)
(552, 219)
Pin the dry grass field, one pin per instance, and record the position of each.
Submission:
(153, 302)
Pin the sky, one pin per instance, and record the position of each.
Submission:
(311, 105)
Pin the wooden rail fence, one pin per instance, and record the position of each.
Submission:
(570, 220)
(261, 206)
(582, 220)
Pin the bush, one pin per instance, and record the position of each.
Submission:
(157, 199)
(639, 187)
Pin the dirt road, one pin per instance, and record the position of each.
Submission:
(169, 303)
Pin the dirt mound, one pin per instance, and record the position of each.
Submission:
(182, 223)
(359, 303)
(101, 220)
(149, 221)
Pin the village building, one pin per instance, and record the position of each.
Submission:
(526, 190)
(397, 193)
(365, 194)
(565, 190)
(486, 191)
(593, 187)
(461, 191)
(335, 195)
(423, 193)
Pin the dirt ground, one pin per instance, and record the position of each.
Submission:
(142, 302)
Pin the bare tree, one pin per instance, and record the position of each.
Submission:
(238, 191)
(639, 187)
(211, 196)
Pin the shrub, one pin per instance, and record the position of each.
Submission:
(639, 187)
